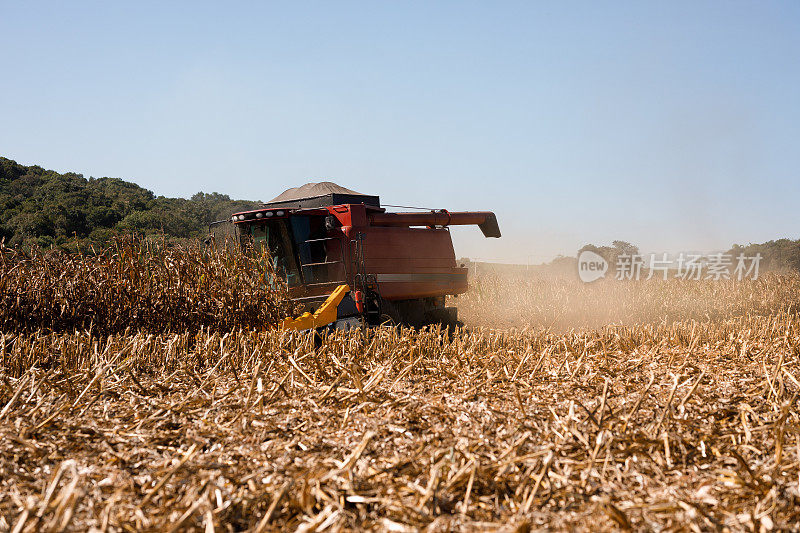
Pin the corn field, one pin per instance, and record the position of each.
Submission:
(137, 285)
(652, 406)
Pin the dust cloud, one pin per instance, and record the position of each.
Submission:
(557, 303)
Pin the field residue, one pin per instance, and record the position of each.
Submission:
(667, 424)
(647, 406)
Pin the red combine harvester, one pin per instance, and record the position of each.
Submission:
(350, 262)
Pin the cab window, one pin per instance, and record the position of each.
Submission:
(273, 238)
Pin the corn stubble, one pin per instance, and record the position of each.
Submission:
(660, 422)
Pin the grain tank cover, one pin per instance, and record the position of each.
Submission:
(320, 194)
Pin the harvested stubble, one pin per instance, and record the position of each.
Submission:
(687, 425)
(136, 284)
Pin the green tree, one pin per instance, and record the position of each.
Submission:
(43, 206)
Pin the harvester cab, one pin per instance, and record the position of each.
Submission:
(350, 262)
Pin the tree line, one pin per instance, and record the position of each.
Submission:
(776, 255)
(42, 207)
(45, 208)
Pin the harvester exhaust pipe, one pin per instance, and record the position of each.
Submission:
(485, 220)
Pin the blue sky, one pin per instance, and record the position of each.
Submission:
(673, 125)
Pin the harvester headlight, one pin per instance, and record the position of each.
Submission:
(269, 213)
(279, 213)
(233, 218)
(259, 215)
(241, 217)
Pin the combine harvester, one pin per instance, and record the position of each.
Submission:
(351, 263)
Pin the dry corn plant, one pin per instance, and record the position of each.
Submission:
(139, 285)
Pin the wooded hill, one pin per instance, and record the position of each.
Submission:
(43, 207)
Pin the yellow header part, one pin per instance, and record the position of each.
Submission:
(322, 316)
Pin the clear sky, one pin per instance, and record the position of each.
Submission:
(673, 125)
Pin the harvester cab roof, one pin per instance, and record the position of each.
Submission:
(400, 266)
